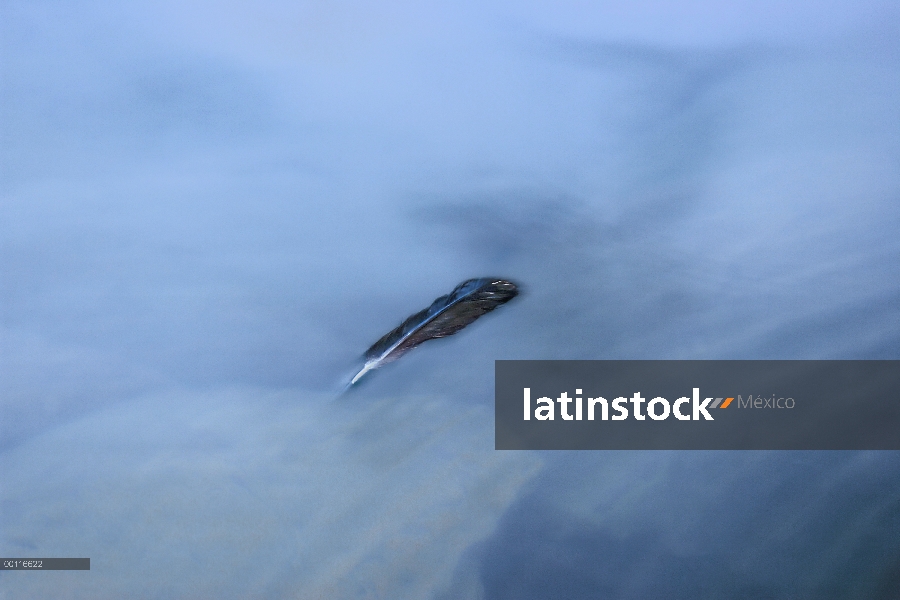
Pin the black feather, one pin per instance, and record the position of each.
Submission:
(446, 315)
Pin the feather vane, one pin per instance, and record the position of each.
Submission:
(446, 316)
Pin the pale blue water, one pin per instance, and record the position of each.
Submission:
(210, 211)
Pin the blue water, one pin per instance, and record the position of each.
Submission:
(210, 211)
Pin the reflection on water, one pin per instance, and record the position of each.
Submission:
(208, 215)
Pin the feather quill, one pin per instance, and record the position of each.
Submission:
(446, 316)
